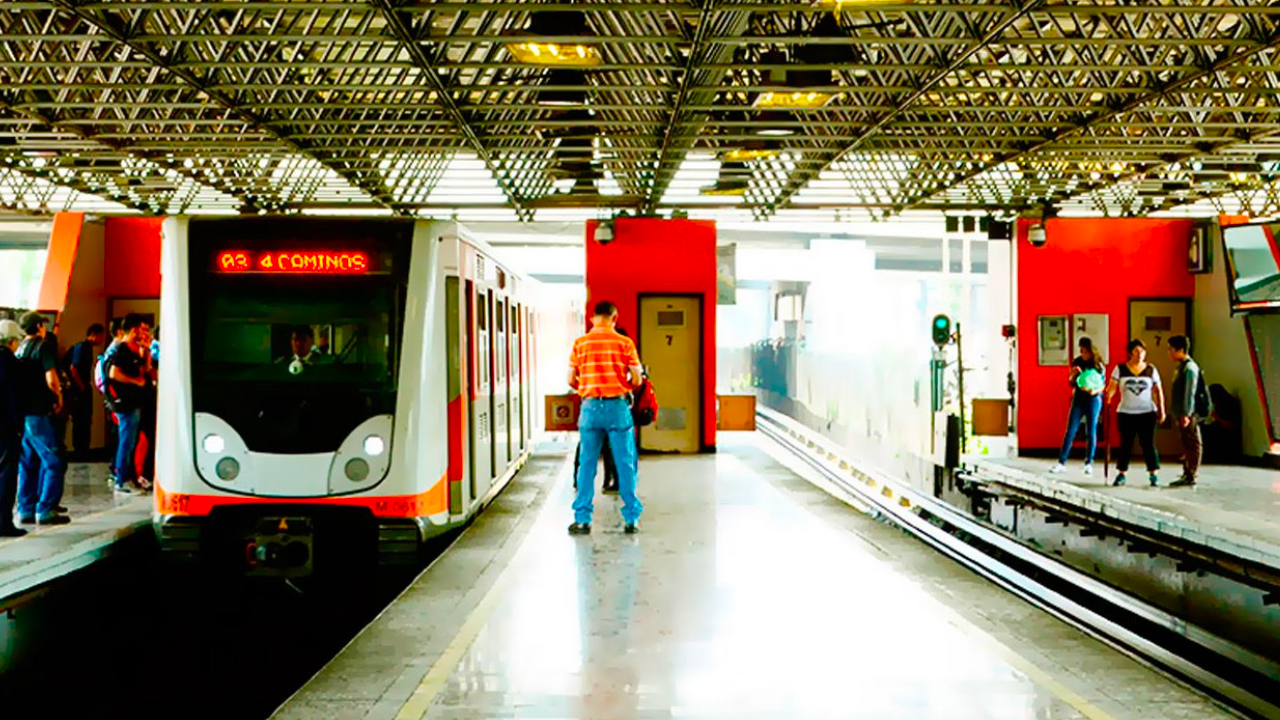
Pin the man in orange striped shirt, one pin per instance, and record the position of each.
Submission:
(604, 368)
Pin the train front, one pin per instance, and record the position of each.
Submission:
(289, 346)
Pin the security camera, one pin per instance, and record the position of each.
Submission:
(1037, 236)
(604, 232)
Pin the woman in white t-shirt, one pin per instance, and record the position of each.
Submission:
(1141, 409)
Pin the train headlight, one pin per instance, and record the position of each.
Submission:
(213, 444)
(374, 446)
(228, 469)
(357, 469)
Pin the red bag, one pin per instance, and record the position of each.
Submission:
(644, 407)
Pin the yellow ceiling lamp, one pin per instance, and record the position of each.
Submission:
(531, 45)
(554, 54)
(795, 100)
(746, 154)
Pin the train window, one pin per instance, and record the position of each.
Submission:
(482, 315)
(515, 319)
(501, 315)
(296, 361)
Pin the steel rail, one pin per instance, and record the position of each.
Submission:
(1127, 623)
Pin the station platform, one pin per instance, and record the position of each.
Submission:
(99, 522)
(1231, 509)
(748, 593)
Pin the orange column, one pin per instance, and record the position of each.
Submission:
(64, 241)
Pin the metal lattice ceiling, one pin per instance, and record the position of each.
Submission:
(1115, 107)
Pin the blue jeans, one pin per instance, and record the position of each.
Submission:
(127, 447)
(1086, 409)
(611, 418)
(41, 471)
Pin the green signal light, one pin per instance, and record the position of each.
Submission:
(941, 330)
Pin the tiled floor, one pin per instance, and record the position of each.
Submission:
(98, 520)
(748, 594)
(86, 492)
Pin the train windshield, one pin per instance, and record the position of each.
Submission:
(296, 347)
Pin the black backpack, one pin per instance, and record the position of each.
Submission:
(34, 395)
(1203, 403)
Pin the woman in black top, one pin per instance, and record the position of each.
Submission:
(1085, 405)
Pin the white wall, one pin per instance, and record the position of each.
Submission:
(1221, 347)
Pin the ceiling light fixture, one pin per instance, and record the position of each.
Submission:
(534, 47)
(798, 100)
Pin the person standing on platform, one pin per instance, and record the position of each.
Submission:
(1088, 378)
(610, 484)
(1190, 405)
(100, 382)
(41, 470)
(1141, 410)
(11, 422)
(126, 374)
(604, 368)
(80, 393)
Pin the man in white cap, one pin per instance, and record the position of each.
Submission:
(11, 422)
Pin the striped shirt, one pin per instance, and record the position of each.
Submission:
(602, 358)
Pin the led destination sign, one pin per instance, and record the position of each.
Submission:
(298, 262)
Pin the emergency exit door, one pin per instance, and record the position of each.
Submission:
(670, 347)
(1154, 322)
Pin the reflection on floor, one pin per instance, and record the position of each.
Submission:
(732, 603)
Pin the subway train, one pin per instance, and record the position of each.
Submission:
(334, 390)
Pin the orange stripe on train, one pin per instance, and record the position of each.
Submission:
(431, 502)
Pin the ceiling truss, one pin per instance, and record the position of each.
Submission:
(1108, 107)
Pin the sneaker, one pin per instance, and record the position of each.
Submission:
(580, 529)
(12, 532)
(1119, 480)
(53, 520)
(61, 510)
(1088, 469)
(1183, 481)
(630, 529)
(126, 490)
(144, 484)
(1154, 479)
(1057, 469)
(26, 519)
(611, 489)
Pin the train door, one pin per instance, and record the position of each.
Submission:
(501, 392)
(671, 348)
(1154, 322)
(518, 379)
(478, 355)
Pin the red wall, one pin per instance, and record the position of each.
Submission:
(1088, 266)
(132, 266)
(655, 256)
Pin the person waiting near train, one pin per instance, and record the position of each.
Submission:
(1190, 404)
(11, 422)
(41, 469)
(126, 373)
(1140, 410)
(604, 368)
(79, 362)
(1087, 380)
(610, 484)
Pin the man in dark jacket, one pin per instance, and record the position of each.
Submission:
(10, 427)
(1187, 381)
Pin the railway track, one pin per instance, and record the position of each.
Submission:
(1244, 680)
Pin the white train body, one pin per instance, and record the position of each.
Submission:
(412, 418)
